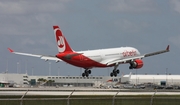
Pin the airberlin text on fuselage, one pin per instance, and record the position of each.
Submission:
(129, 53)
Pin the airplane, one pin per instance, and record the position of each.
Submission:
(100, 58)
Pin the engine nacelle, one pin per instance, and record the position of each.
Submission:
(136, 64)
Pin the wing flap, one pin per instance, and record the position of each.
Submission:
(126, 60)
(51, 58)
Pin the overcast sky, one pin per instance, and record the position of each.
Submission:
(148, 25)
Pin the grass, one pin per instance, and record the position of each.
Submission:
(92, 100)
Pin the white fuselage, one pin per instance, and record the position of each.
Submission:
(106, 55)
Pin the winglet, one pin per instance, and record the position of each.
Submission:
(167, 48)
(10, 50)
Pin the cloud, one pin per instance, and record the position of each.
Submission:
(15, 15)
(31, 6)
(132, 6)
(36, 44)
(27, 41)
(130, 26)
(175, 5)
(10, 7)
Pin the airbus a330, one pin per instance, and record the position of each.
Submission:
(100, 58)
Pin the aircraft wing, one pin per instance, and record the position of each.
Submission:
(158, 52)
(127, 60)
(45, 57)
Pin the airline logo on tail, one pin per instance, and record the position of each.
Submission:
(60, 40)
(62, 44)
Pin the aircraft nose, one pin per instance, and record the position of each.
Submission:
(138, 53)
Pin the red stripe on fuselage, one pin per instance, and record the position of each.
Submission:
(79, 60)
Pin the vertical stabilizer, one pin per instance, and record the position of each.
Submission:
(62, 43)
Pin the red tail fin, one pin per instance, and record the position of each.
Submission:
(62, 44)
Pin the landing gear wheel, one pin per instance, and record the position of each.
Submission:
(89, 71)
(87, 74)
(130, 67)
(111, 74)
(117, 71)
(83, 74)
(115, 74)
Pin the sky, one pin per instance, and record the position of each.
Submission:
(148, 25)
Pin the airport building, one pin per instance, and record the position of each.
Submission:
(9, 79)
(22, 80)
(77, 81)
(154, 79)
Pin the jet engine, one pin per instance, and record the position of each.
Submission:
(136, 64)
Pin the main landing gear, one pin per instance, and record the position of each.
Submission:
(86, 73)
(115, 71)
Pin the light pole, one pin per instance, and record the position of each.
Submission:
(49, 68)
(80, 71)
(58, 70)
(26, 67)
(136, 78)
(20, 67)
(32, 70)
(7, 67)
(166, 76)
(108, 71)
(17, 67)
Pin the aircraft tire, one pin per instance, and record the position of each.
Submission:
(130, 67)
(83, 74)
(117, 71)
(111, 74)
(115, 74)
(89, 71)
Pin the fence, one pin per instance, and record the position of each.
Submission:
(91, 100)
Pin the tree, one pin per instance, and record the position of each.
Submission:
(41, 80)
(50, 82)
